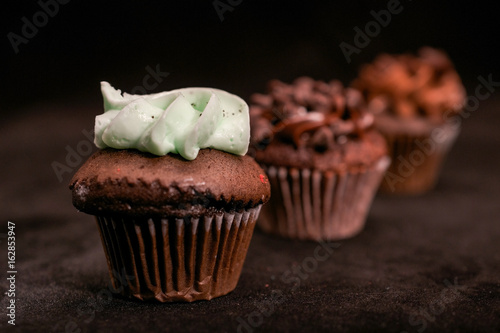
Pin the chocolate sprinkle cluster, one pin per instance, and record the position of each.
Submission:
(408, 85)
(307, 113)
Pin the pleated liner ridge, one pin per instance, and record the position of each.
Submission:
(314, 205)
(416, 160)
(174, 259)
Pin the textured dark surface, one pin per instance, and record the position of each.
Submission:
(430, 262)
(395, 276)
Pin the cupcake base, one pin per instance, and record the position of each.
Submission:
(416, 158)
(177, 259)
(314, 205)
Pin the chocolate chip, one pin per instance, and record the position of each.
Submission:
(302, 112)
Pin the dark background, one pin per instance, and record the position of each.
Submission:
(90, 41)
(391, 277)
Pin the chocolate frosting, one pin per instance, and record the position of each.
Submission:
(407, 85)
(307, 113)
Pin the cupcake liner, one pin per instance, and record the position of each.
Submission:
(177, 259)
(417, 159)
(315, 205)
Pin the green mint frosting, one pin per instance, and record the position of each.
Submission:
(181, 121)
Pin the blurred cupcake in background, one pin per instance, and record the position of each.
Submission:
(414, 99)
(322, 157)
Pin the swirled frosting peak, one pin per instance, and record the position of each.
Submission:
(181, 121)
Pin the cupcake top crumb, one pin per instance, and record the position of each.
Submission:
(409, 86)
(133, 183)
(312, 123)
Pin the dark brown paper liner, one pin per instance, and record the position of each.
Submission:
(174, 259)
(415, 168)
(314, 205)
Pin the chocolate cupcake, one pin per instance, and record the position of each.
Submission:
(175, 199)
(323, 159)
(414, 100)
